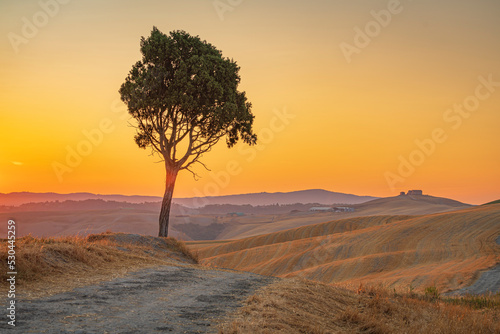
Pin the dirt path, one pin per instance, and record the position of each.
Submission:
(488, 282)
(162, 299)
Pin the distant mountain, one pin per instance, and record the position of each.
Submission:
(303, 196)
(19, 198)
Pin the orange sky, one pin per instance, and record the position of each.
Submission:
(356, 106)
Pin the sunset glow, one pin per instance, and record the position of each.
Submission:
(370, 98)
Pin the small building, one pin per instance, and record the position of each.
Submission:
(415, 192)
(321, 209)
(330, 209)
(343, 209)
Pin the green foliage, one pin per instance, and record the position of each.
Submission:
(184, 97)
(411, 290)
(184, 91)
(494, 202)
(476, 301)
(431, 293)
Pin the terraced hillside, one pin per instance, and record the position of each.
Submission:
(448, 250)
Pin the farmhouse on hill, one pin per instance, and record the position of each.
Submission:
(411, 192)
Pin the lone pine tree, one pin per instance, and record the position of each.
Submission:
(184, 97)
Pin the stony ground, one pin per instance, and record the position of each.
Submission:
(162, 299)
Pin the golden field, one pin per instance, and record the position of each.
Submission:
(300, 306)
(447, 250)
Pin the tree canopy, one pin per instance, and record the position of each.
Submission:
(183, 89)
(184, 97)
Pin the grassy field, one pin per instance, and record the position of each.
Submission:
(301, 306)
(294, 305)
(446, 250)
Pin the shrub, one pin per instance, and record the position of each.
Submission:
(431, 293)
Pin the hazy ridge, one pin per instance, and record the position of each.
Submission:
(303, 196)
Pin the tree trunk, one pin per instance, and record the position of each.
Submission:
(167, 201)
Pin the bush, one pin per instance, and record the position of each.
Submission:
(431, 293)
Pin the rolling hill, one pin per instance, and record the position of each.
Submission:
(409, 204)
(96, 215)
(399, 205)
(19, 198)
(303, 196)
(447, 250)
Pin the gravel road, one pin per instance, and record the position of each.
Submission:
(161, 299)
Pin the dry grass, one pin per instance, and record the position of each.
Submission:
(50, 265)
(476, 301)
(184, 249)
(447, 250)
(300, 306)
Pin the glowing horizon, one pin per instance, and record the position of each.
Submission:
(362, 98)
